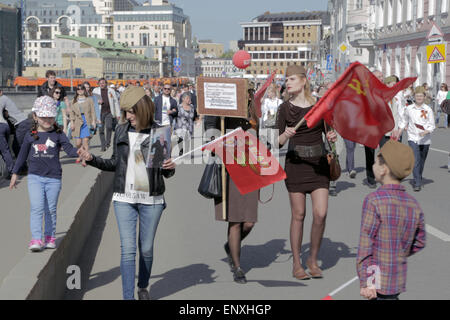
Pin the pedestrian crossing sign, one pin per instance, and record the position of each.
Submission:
(436, 53)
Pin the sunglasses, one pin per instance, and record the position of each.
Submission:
(58, 92)
(166, 88)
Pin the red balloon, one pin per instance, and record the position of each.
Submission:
(242, 59)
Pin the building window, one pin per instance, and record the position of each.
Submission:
(444, 7)
(409, 10)
(358, 4)
(389, 13)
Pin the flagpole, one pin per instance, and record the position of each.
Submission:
(299, 124)
(224, 176)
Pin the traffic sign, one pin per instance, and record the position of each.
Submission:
(435, 32)
(177, 69)
(177, 62)
(329, 62)
(436, 53)
(343, 47)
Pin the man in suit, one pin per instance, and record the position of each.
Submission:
(166, 107)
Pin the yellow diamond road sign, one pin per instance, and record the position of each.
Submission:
(436, 53)
(343, 47)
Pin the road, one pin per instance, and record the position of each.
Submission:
(189, 260)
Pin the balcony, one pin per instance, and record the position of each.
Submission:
(362, 37)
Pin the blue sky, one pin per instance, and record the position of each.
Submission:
(219, 20)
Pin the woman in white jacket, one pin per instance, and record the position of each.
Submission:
(441, 96)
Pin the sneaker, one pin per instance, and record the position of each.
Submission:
(50, 242)
(143, 294)
(352, 174)
(35, 245)
(417, 188)
(239, 276)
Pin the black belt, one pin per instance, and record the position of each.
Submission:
(309, 151)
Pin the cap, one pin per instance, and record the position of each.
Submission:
(399, 158)
(130, 96)
(295, 69)
(390, 80)
(419, 89)
(45, 107)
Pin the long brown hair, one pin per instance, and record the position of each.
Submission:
(144, 110)
(79, 87)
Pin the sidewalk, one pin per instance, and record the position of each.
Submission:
(15, 213)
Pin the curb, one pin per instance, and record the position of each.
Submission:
(42, 276)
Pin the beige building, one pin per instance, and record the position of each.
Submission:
(93, 58)
(209, 49)
(277, 40)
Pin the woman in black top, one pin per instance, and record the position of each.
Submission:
(306, 168)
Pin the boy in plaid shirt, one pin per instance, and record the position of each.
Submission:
(392, 226)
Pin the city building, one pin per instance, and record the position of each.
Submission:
(276, 40)
(401, 43)
(46, 19)
(217, 68)
(209, 49)
(352, 29)
(157, 29)
(82, 57)
(10, 44)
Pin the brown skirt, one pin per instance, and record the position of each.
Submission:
(305, 176)
(240, 208)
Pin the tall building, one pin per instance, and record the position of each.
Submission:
(401, 45)
(45, 19)
(159, 30)
(352, 28)
(277, 40)
(10, 44)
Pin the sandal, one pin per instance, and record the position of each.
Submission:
(316, 272)
(300, 274)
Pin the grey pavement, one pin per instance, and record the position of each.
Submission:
(189, 260)
(15, 211)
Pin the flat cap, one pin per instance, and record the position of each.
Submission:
(130, 96)
(399, 158)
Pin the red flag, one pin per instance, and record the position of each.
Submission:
(260, 94)
(250, 165)
(356, 106)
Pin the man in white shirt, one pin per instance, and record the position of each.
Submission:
(418, 120)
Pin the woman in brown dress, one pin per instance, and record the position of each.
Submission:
(241, 210)
(306, 168)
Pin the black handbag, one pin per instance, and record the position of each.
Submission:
(211, 183)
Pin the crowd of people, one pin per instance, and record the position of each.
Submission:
(132, 112)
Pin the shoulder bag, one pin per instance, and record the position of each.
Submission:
(333, 159)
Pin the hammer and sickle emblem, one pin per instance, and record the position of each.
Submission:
(357, 87)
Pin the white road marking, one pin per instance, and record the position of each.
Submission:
(441, 151)
(343, 286)
(437, 233)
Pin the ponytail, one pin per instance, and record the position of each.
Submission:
(34, 130)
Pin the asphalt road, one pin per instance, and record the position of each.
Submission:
(189, 261)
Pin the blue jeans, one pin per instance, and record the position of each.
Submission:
(350, 159)
(438, 115)
(420, 155)
(44, 194)
(127, 215)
